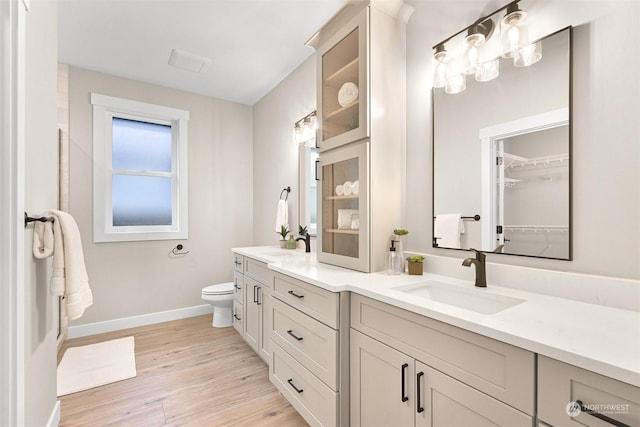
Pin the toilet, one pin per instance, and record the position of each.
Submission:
(220, 296)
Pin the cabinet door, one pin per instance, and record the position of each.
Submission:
(382, 391)
(264, 320)
(343, 85)
(443, 401)
(343, 218)
(252, 313)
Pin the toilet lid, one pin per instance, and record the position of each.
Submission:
(219, 289)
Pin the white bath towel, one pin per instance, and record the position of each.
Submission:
(447, 230)
(345, 218)
(69, 272)
(282, 215)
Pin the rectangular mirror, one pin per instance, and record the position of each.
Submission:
(502, 159)
(308, 185)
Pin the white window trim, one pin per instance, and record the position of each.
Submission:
(104, 109)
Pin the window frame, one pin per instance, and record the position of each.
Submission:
(105, 108)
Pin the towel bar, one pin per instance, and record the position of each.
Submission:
(28, 219)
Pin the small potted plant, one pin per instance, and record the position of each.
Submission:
(284, 230)
(415, 265)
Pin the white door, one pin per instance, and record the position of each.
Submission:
(12, 201)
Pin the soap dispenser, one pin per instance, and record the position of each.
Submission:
(394, 265)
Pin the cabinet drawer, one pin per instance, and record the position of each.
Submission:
(493, 367)
(238, 263)
(310, 342)
(560, 383)
(316, 402)
(238, 316)
(316, 302)
(257, 270)
(238, 286)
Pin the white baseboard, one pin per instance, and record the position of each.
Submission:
(54, 419)
(135, 321)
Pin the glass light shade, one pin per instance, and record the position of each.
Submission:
(513, 33)
(440, 71)
(488, 70)
(297, 134)
(456, 84)
(440, 75)
(528, 55)
(473, 45)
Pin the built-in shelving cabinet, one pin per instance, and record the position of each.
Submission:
(361, 136)
(343, 85)
(343, 232)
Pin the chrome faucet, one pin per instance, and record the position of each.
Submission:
(307, 242)
(481, 272)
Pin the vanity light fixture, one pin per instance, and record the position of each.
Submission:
(305, 128)
(480, 57)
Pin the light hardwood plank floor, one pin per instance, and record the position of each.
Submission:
(188, 374)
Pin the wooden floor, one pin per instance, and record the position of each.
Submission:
(189, 374)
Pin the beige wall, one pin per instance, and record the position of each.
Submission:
(135, 278)
(275, 154)
(606, 153)
(41, 194)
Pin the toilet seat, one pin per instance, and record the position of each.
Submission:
(219, 289)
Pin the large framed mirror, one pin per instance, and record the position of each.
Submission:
(308, 185)
(502, 159)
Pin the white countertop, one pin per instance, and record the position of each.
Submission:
(601, 339)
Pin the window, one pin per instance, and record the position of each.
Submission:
(140, 171)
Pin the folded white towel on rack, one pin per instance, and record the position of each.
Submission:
(447, 230)
(282, 215)
(69, 272)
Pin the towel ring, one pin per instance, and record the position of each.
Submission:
(285, 190)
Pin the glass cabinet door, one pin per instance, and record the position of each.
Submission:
(343, 238)
(343, 86)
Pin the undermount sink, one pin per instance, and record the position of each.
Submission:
(474, 299)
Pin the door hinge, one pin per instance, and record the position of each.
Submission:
(499, 229)
(499, 161)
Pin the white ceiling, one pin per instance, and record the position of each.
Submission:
(252, 44)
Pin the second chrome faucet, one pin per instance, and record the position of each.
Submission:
(479, 262)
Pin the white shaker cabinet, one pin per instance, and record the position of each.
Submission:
(605, 401)
(426, 373)
(250, 314)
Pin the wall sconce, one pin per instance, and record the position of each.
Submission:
(305, 128)
(481, 58)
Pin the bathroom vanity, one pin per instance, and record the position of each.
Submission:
(355, 349)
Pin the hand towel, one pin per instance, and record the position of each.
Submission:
(282, 215)
(447, 230)
(347, 94)
(42, 239)
(69, 271)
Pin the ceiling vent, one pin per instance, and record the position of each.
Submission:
(188, 61)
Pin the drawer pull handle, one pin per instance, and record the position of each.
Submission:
(600, 416)
(295, 295)
(419, 407)
(290, 332)
(290, 381)
(402, 392)
(236, 317)
(236, 262)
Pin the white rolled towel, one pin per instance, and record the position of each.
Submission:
(347, 94)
